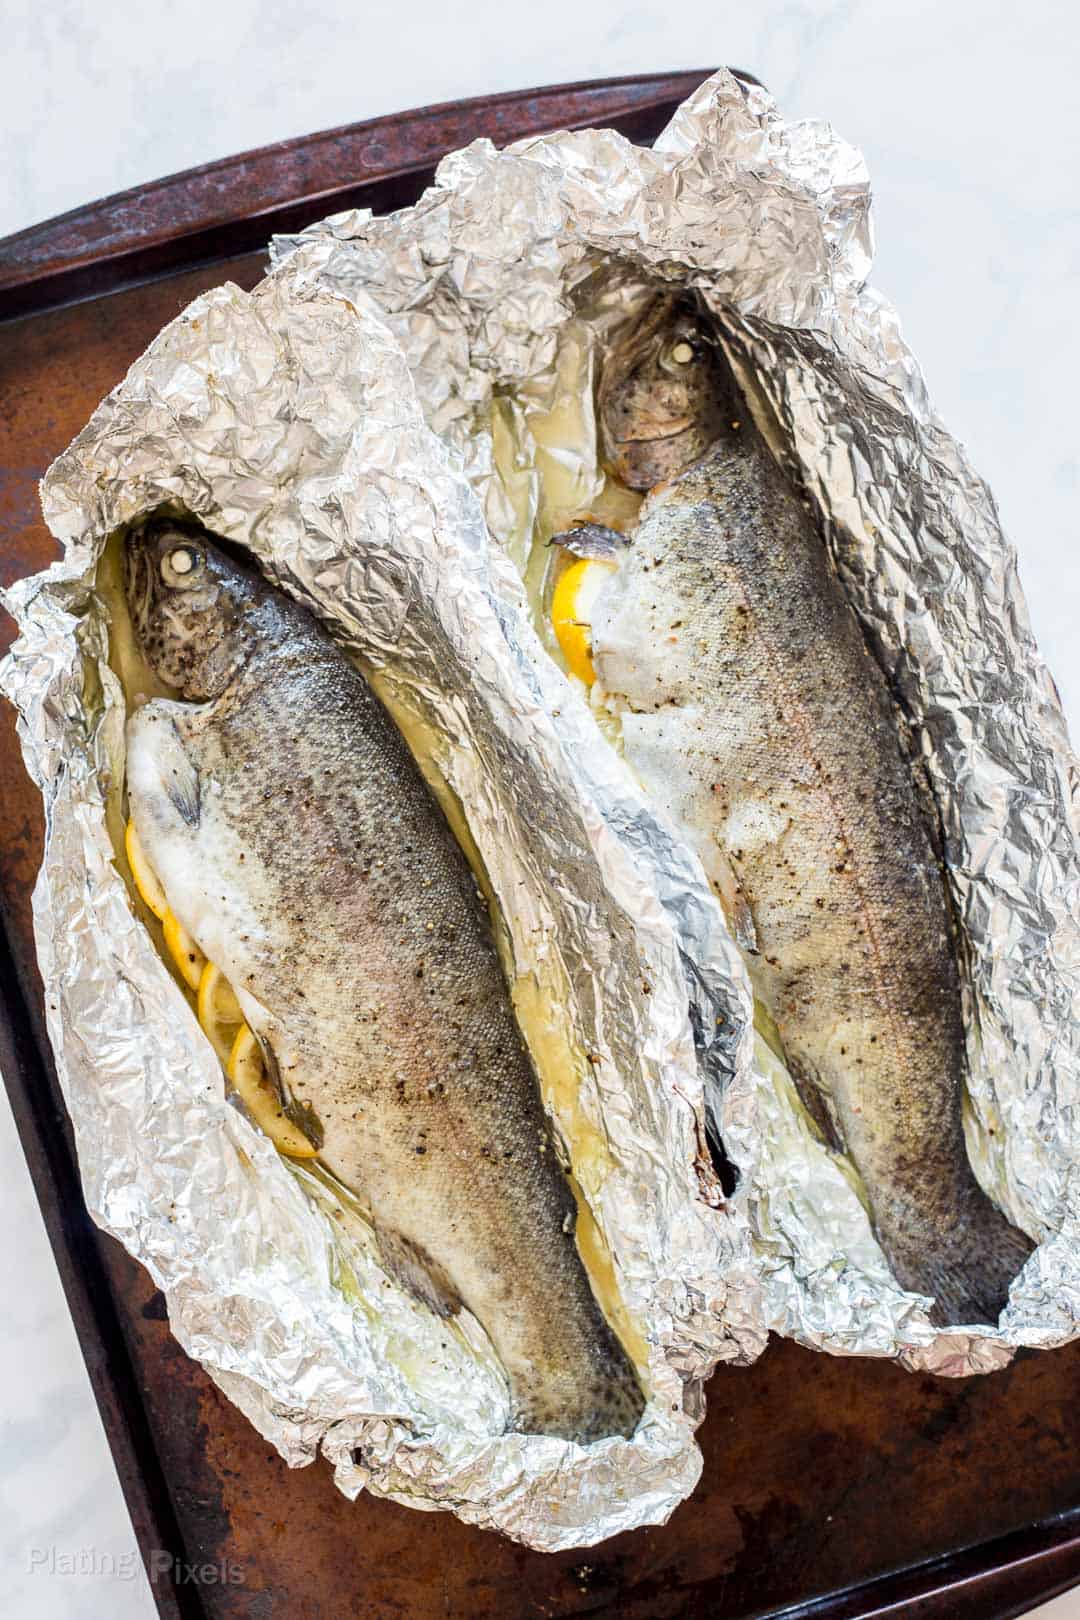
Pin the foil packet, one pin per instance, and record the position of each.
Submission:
(499, 286)
(287, 421)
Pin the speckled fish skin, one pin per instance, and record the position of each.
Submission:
(761, 719)
(297, 842)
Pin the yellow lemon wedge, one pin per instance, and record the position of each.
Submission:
(219, 1010)
(183, 950)
(146, 879)
(571, 613)
(259, 1095)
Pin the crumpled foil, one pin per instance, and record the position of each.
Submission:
(512, 256)
(336, 421)
(289, 423)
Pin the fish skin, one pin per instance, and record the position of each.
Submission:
(760, 718)
(320, 875)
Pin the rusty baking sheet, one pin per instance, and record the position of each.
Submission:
(832, 1488)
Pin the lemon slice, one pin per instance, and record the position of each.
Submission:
(146, 879)
(571, 613)
(183, 950)
(259, 1096)
(219, 1010)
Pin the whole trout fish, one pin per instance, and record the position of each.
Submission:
(757, 716)
(298, 843)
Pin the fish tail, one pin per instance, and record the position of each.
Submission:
(967, 1265)
(620, 1404)
(606, 1402)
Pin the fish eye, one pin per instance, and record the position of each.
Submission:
(681, 353)
(183, 561)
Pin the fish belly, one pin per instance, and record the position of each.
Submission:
(758, 717)
(298, 844)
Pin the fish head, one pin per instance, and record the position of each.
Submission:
(192, 607)
(663, 396)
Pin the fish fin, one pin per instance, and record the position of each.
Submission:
(814, 1099)
(924, 789)
(179, 777)
(301, 1114)
(740, 919)
(593, 540)
(415, 1271)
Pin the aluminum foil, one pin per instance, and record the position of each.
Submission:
(337, 421)
(288, 421)
(514, 258)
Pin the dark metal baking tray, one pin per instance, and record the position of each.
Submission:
(832, 1488)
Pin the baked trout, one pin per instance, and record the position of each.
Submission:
(758, 716)
(299, 845)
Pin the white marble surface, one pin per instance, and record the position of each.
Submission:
(965, 113)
